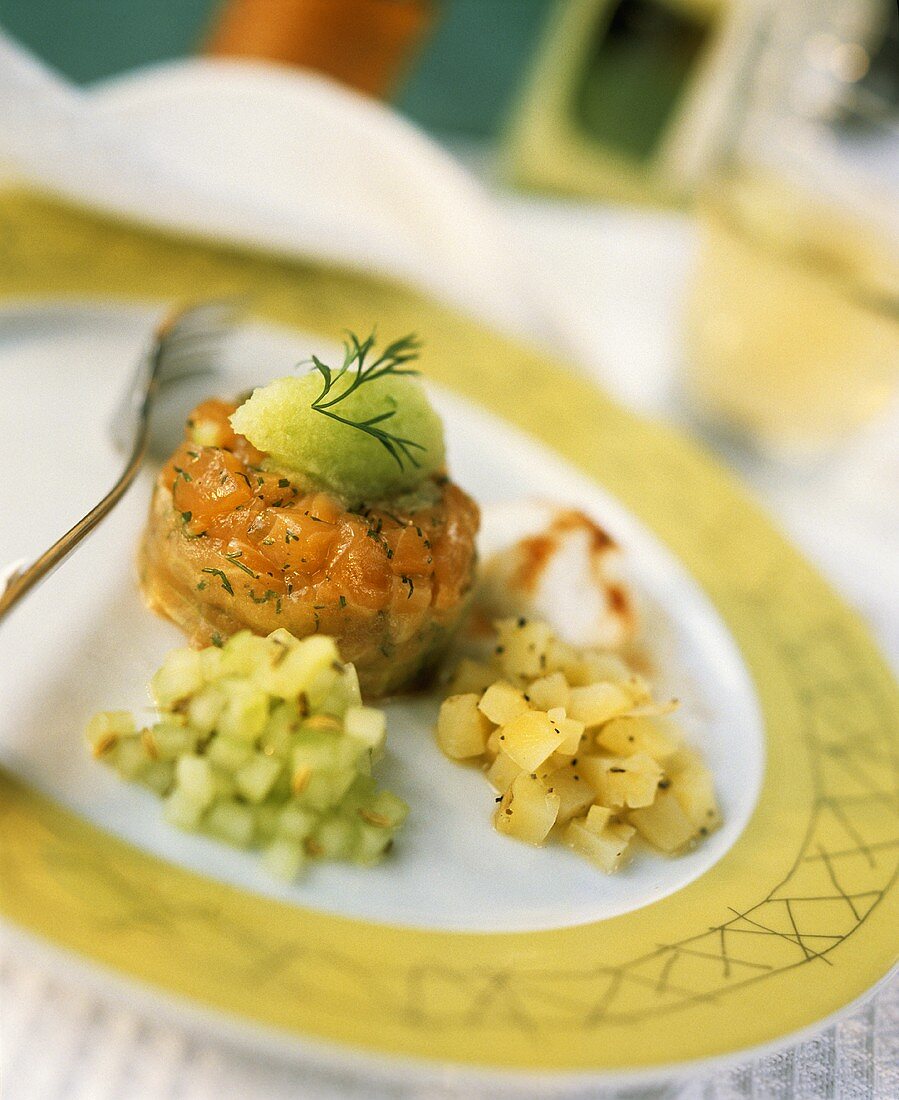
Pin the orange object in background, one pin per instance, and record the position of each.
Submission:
(362, 43)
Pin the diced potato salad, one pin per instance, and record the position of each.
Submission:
(261, 743)
(575, 747)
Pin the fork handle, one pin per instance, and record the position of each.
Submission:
(20, 578)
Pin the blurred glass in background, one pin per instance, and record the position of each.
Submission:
(793, 324)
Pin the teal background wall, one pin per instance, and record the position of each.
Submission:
(473, 64)
(90, 39)
(462, 82)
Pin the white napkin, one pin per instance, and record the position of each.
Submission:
(298, 165)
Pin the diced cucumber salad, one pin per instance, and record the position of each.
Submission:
(262, 743)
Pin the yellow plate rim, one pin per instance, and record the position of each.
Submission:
(200, 939)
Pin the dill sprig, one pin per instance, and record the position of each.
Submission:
(356, 364)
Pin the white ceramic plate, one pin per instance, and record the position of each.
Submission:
(464, 944)
(452, 870)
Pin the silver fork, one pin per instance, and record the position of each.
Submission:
(184, 346)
